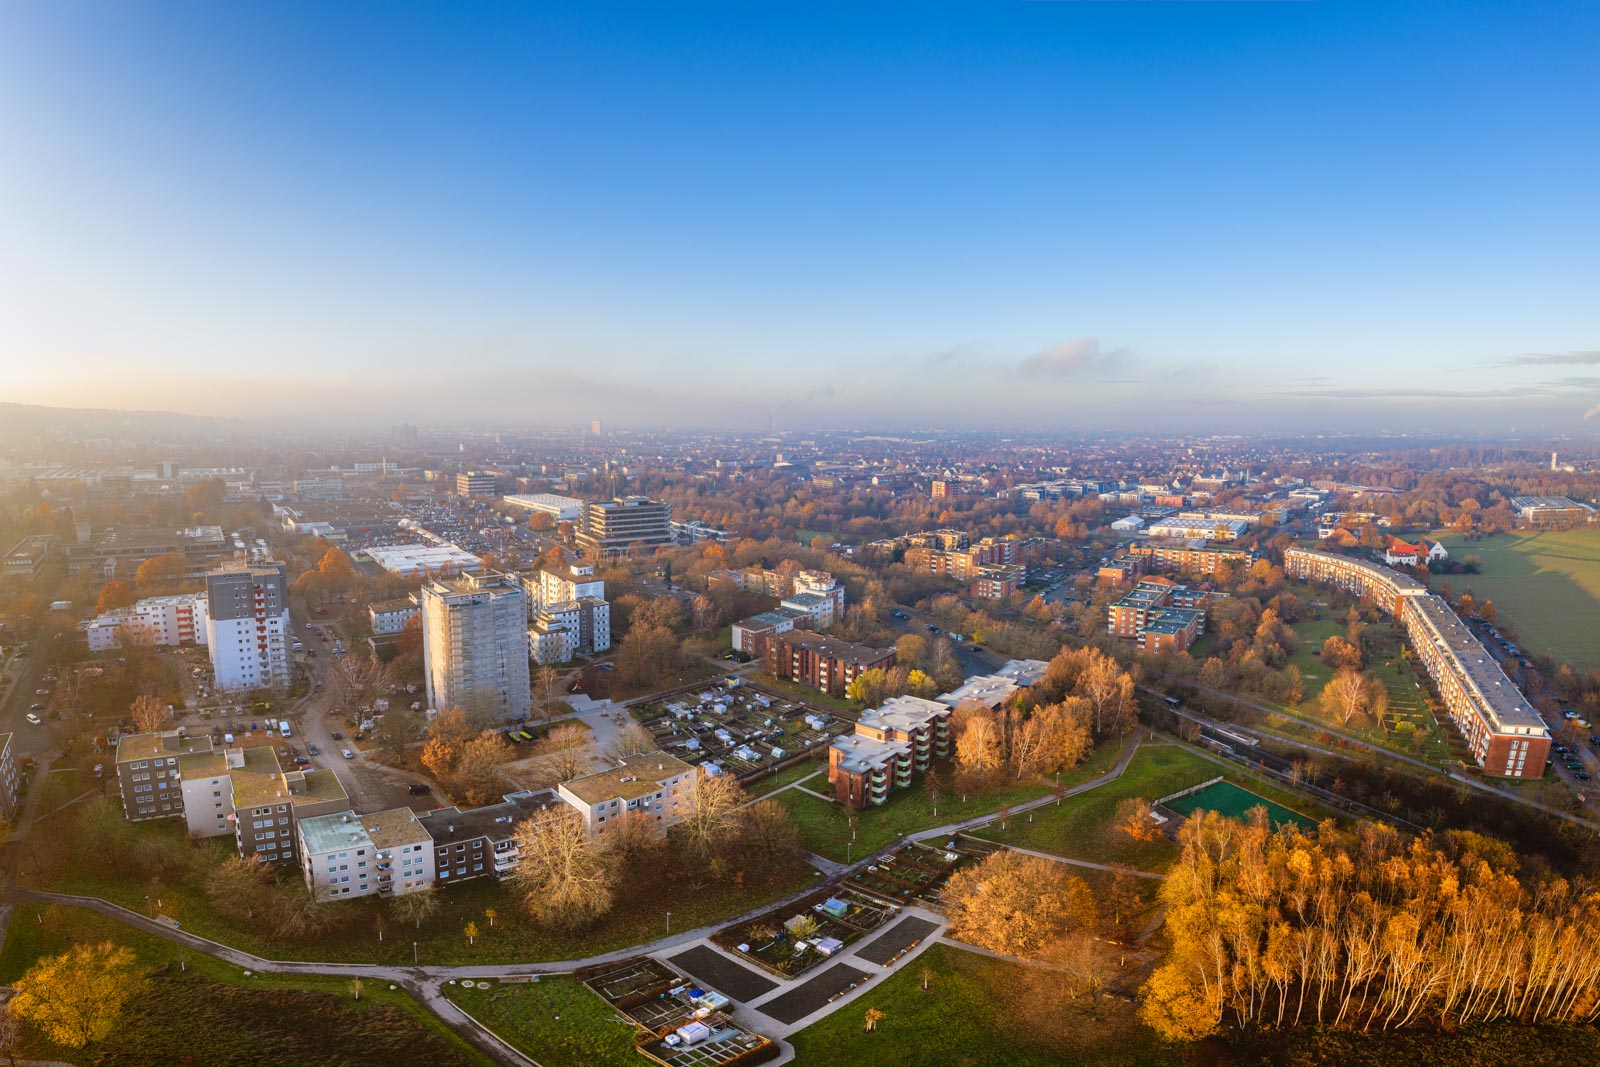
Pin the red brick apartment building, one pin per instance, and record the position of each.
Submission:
(1159, 615)
(907, 734)
(1506, 734)
(824, 663)
(1186, 558)
(997, 584)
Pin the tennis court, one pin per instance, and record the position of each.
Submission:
(1225, 798)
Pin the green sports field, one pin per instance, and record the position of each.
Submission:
(1231, 800)
(1546, 586)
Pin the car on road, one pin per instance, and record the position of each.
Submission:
(312, 749)
(337, 736)
(347, 754)
(33, 718)
(418, 788)
(41, 692)
(35, 707)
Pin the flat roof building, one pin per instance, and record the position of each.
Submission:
(650, 784)
(475, 646)
(422, 559)
(559, 508)
(627, 524)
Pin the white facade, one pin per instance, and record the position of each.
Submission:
(156, 620)
(385, 853)
(247, 626)
(821, 583)
(562, 630)
(559, 508)
(653, 784)
(391, 616)
(475, 645)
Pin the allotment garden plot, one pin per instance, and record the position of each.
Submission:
(739, 729)
(679, 1022)
(791, 941)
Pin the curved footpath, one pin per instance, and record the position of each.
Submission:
(425, 983)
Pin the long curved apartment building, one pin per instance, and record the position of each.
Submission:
(1506, 735)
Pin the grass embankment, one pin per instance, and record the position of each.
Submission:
(1082, 827)
(558, 1021)
(825, 829)
(790, 775)
(208, 1012)
(978, 1010)
(640, 913)
(1545, 586)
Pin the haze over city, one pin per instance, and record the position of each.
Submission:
(1062, 216)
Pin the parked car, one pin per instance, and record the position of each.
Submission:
(418, 788)
(33, 718)
(36, 707)
(312, 749)
(347, 754)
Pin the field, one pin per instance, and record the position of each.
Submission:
(1546, 586)
(1231, 800)
(193, 1003)
(978, 1010)
(557, 1021)
(1082, 827)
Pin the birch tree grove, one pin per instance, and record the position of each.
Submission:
(1366, 930)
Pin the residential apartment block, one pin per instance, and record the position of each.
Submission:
(1506, 735)
(247, 626)
(475, 645)
(480, 842)
(148, 776)
(155, 620)
(750, 635)
(569, 613)
(383, 853)
(823, 663)
(1159, 615)
(10, 780)
(389, 617)
(245, 793)
(906, 734)
(651, 784)
(1190, 559)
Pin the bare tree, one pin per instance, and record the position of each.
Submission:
(562, 878)
(707, 807)
(565, 751)
(150, 715)
(417, 906)
(631, 740)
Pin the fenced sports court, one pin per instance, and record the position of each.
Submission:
(1231, 800)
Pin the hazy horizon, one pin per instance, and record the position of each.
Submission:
(1077, 217)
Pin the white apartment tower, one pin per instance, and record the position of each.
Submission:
(475, 645)
(247, 625)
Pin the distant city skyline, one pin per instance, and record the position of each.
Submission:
(1069, 216)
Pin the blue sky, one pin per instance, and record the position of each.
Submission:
(1072, 215)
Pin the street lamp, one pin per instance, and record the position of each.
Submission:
(413, 953)
(849, 847)
(669, 924)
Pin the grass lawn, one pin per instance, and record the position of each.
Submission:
(1312, 632)
(212, 1006)
(1546, 586)
(353, 937)
(788, 776)
(977, 1011)
(824, 828)
(1081, 827)
(558, 1021)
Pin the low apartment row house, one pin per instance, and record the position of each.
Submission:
(821, 662)
(891, 743)
(1159, 616)
(389, 617)
(10, 780)
(1187, 558)
(649, 785)
(155, 620)
(993, 690)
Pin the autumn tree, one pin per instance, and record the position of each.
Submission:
(474, 779)
(1133, 817)
(160, 570)
(1351, 694)
(767, 832)
(565, 750)
(150, 715)
(447, 736)
(237, 887)
(564, 881)
(1339, 654)
(1109, 690)
(706, 808)
(77, 997)
(631, 739)
(647, 653)
(1016, 904)
(113, 595)
(978, 747)
(417, 906)
(397, 729)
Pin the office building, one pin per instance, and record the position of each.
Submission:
(627, 524)
(247, 626)
(28, 556)
(476, 483)
(475, 645)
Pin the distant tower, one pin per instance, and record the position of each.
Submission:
(1552, 461)
(596, 428)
